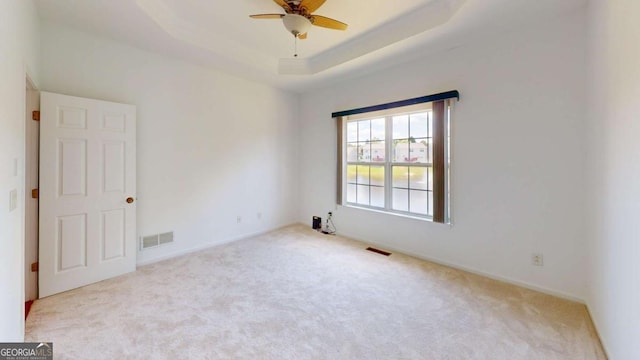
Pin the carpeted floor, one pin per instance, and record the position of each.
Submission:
(297, 294)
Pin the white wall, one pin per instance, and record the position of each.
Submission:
(19, 47)
(517, 156)
(211, 147)
(614, 159)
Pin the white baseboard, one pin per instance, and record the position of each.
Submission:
(505, 279)
(595, 326)
(395, 249)
(207, 245)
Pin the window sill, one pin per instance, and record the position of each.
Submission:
(405, 216)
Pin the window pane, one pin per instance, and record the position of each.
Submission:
(430, 196)
(364, 130)
(401, 127)
(418, 125)
(418, 151)
(352, 152)
(364, 151)
(377, 196)
(377, 151)
(363, 195)
(401, 151)
(351, 173)
(419, 178)
(352, 131)
(377, 129)
(400, 199)
(351, 193)
(377, 175)
(419, 202)
(363, 175)
(401, 176)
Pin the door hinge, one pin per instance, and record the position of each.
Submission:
(34, 267)
(34, 193)
(35, 115)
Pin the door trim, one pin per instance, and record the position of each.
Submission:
(31, 153)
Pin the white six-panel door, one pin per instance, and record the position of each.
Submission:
(87, 175)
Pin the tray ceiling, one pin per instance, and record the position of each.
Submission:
(220, 34)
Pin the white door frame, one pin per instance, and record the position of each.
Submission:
(31, 142)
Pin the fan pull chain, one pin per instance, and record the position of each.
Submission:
(295, 46)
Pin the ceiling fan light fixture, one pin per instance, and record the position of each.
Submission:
(296, 24)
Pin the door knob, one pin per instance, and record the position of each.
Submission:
(129, 200)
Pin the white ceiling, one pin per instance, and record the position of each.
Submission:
(220, 34)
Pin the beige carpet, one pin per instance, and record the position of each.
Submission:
(297, 294)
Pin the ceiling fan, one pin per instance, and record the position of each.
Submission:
(299, 18)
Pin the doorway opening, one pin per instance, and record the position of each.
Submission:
(31, 166)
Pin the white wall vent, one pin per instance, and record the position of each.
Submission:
(150, 241)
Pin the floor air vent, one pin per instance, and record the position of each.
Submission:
(378, 251)
(155, 240)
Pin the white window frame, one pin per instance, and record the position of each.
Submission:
(389, 164)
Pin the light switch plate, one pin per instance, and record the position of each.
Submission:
(13, 199)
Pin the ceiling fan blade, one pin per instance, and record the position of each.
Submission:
(266, 16)
(302, 36)
(311, 5)
(328, 23)
(283, 4)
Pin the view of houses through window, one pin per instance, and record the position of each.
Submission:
(389, 163)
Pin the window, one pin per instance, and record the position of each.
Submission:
(397, 160)
(366, 156)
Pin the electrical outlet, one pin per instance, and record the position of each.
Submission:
(239, 219)
(537, 259)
